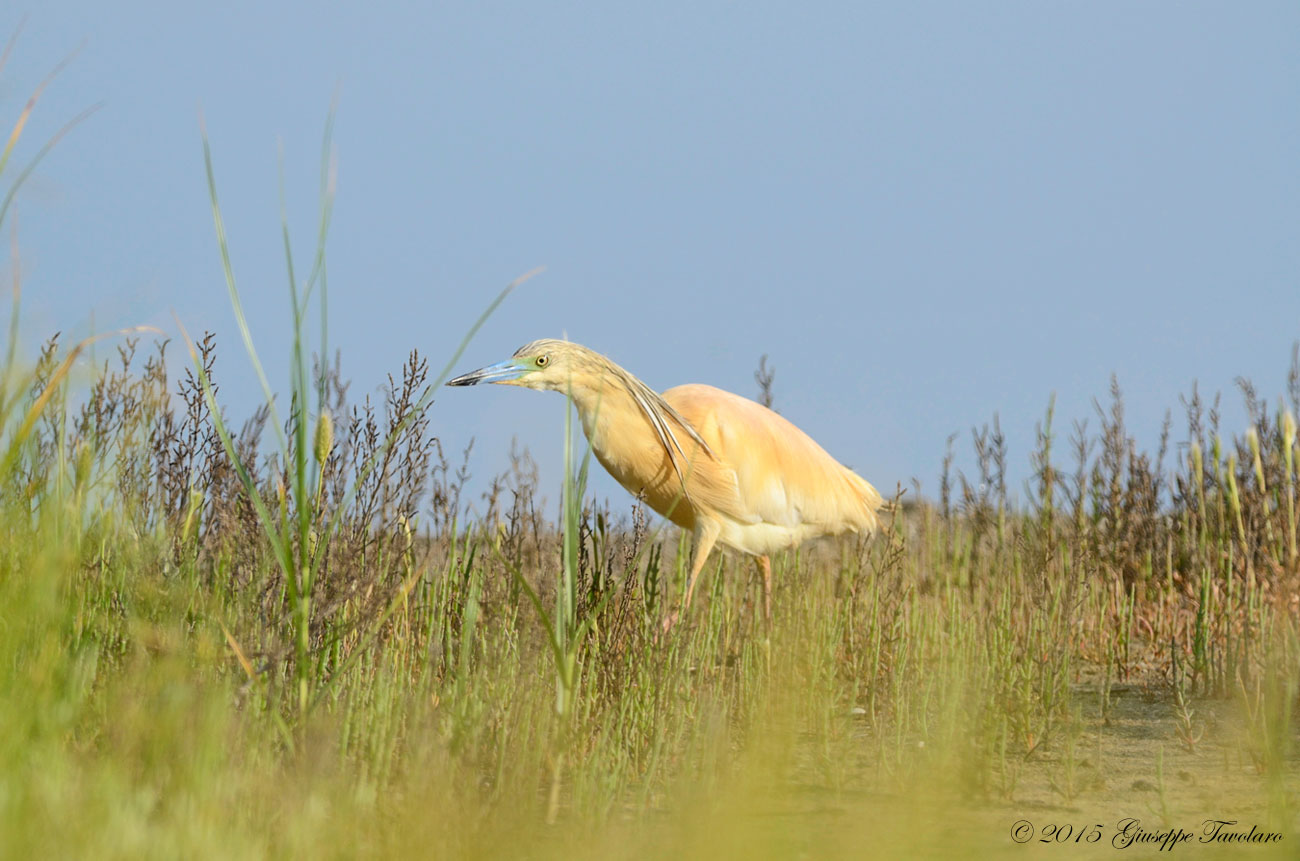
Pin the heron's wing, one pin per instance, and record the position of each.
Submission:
(781, 476)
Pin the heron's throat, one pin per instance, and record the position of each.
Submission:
(603, 408)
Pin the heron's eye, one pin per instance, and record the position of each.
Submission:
(543, 361)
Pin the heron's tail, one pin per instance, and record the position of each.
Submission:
(872, 501)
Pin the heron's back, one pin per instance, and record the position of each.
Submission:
(784, 487)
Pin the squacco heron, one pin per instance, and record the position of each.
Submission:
(720, 466)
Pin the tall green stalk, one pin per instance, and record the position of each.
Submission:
(297, 545)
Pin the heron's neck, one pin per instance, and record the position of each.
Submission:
(605, 405)
(601, 405)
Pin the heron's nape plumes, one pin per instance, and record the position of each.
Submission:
(660, 413)
(726, 468)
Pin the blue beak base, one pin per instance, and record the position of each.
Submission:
(501, 372)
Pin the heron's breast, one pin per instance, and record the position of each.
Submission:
(629, 450)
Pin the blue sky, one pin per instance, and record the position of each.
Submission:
(922, 212)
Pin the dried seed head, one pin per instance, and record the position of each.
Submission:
(1252, 439)
(193, 514)
(1288, 429)
(85, 458)
(407, 534)
(324, 438)
(1234, 499)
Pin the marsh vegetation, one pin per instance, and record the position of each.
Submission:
(1128, 637)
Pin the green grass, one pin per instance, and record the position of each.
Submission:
(212, 650)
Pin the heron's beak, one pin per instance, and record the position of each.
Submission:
(502, 372)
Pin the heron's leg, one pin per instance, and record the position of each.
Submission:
(765, 566)
(706, 535)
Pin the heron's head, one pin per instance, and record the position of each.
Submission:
(546, 364)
